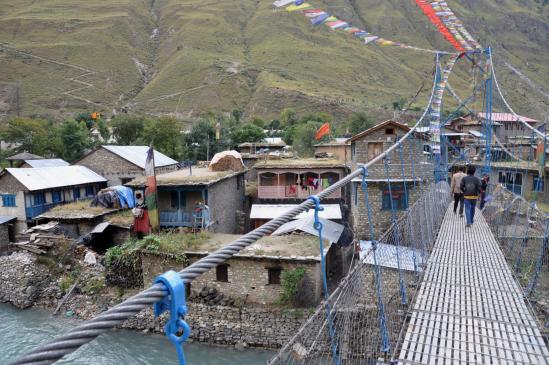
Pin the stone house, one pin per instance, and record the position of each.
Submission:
(267, 145)
(19, 158)
(286, 182)
(338, 148)
(254, 276)
(27, 193)
(122, 164)
(400, 191)
(181, 192)
(522, 178)
(508, 125)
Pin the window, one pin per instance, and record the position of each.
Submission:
(56, 196)
(356, 194)
(389, 131)
(353, 151)
(238, 182)
(89, 191)
(8, 200)
(76, 193)
(374, 149)
(177, 199)
(274, 275)
(39, 199)
(538, 185)
(399, 201)
(222, 273)
(125, 180)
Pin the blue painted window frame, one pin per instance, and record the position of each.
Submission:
(398, 196)
(8, 200)
(76, 193)
(56, 196)
(90, 191)
(39, 198)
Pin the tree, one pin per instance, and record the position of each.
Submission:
(29, 135)
(288, 117)
(304, 138)
(74, 140)
(359, 122)
(247, 133)
(199, 143)
(164, 134)
(258, 122)
(127, 129)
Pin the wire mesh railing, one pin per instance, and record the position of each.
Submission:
(523, 233)
(368, 309)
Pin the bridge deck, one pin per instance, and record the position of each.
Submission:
(469, 308)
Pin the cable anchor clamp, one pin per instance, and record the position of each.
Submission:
(175, 303)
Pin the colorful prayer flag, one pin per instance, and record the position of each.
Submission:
(303, 6)
(322, 131)
(151, 195)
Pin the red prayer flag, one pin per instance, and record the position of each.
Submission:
(322, 131)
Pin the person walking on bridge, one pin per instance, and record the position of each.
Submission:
(455, 188)
(471, 187)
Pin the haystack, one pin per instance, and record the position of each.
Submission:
(226, 161)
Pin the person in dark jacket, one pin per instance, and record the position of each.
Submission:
(483, 188)
(471, 187)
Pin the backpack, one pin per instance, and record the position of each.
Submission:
(470, 187)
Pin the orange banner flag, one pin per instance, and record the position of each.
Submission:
(322, 131)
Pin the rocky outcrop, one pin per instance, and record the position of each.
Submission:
(22, 279)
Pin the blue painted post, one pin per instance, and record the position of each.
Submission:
(488, 117)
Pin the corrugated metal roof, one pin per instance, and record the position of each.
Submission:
(476, 134)
(506, 117)
(330, 230)
(138, 155)
(47, 162)
(386, 256)
(54, 177)
(274, 140)
(6, 218)
(392, 180)
(269, 211)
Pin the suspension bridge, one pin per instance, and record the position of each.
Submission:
(425, 291)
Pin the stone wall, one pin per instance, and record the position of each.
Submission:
(111, 166)
(224, 198)
(412, 150)
(22, 279)
(256, 326)
(381, 218)
(248, 278)
(10, 185)
(4, 239)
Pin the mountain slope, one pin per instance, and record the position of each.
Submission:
(185, 57)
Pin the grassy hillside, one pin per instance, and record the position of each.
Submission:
(182, 57)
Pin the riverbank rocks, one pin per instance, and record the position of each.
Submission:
(21, 279)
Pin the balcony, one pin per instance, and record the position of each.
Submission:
(291, 192)
(34, 211)
(180, 218)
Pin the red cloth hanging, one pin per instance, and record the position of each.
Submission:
(431, 14)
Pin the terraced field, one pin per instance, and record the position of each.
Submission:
(183, 57)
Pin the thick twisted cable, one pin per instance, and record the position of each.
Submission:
(69, 342)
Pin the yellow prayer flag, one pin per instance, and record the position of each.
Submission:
(304, 6)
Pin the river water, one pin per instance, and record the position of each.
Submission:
(21, 330)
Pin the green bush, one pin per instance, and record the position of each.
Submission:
(290, 285)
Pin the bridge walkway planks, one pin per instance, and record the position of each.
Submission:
(470, 309)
